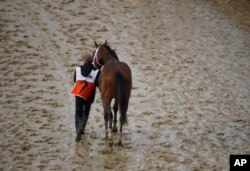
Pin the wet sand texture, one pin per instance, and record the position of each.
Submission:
(189, 108)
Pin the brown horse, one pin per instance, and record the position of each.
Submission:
(115, 82)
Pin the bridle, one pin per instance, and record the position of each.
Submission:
(96, 62)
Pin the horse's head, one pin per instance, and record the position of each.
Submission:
(102, 54)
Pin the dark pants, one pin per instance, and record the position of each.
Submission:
(81, 114)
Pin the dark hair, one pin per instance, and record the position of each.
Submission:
(87, 59)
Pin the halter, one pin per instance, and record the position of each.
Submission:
(96, 60)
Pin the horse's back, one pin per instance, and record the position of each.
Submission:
(108, 78)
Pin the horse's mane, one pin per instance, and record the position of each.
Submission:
(112, 52)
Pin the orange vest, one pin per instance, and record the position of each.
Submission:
(84, 85)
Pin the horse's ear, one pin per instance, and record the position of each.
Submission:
(96, 45)
(106, 42)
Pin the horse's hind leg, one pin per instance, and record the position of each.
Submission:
(115, 109)
(120, 135)
(123, 120)
(106, 123)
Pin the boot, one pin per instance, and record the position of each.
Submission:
(78, 137)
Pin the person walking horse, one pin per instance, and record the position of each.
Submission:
(84, 91)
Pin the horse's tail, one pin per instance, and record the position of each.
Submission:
(122, 97)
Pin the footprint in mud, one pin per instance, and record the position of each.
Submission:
(154, 135)
(98, 119)
(53, 103)
(103, 29)
(25, 146)
(48, 77)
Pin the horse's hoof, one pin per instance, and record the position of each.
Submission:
(115, 130)
(111, 143)
(120, 144)
(106, 137)
(110, 136)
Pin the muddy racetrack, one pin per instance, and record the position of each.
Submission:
(190, 101)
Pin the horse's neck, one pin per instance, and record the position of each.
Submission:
(109, 59)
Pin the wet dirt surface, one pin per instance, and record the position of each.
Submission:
(190, 102)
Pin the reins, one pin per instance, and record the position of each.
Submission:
(97, 63)
(96, 60)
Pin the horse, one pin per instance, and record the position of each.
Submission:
(115, 82)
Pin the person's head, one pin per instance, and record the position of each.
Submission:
(87, 59)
